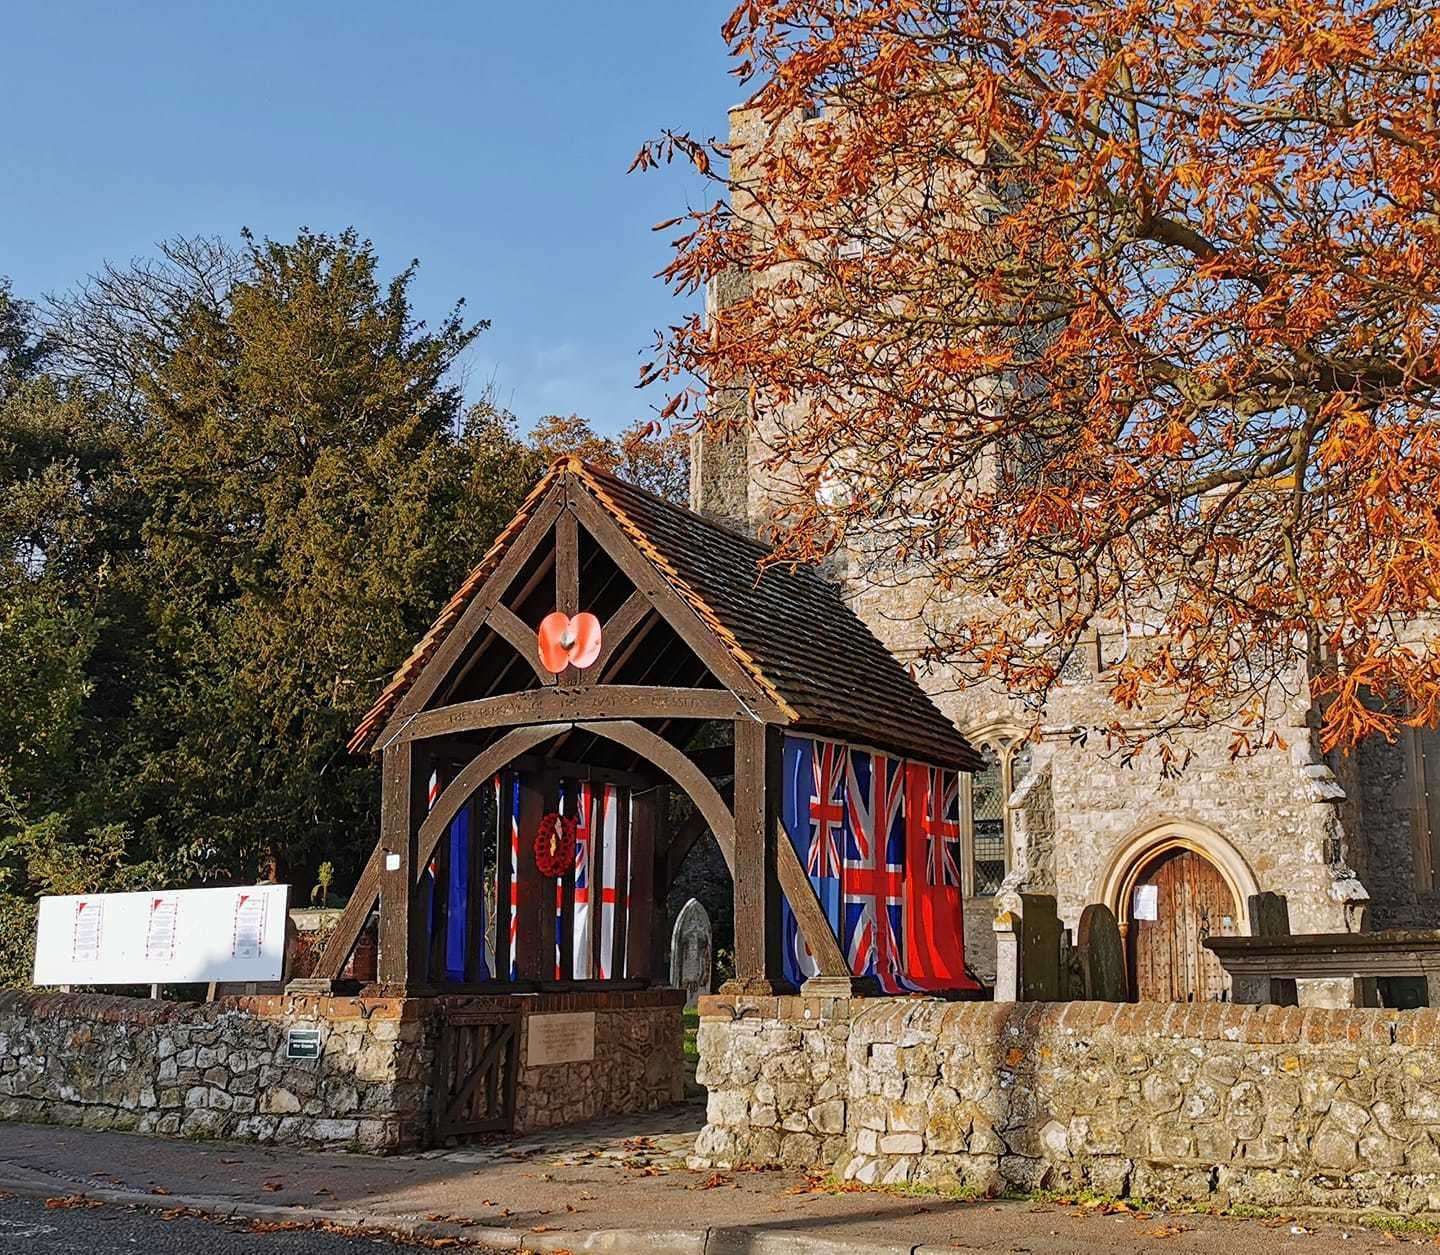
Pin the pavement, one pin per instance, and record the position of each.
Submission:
(614, 1186)
(28, 1225)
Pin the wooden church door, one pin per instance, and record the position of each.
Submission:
(1178, 900)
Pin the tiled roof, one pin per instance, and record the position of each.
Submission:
(789, 628)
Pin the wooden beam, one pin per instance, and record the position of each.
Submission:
(660, 892)
(618, 627)
(765, 860)
(434, 671)
(681, 770)
(751, 868)
(809, 914)
(471, 777)
(513, 630)
(402, 923)
(341, 942)
(676, 610)
(585, 771)
(567, 564)
(567, 575)
(567, 704)
(642, 905)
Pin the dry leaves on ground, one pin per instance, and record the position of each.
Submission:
(72, 1200)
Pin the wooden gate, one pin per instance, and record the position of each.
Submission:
(1177, 900)
(475, 1060)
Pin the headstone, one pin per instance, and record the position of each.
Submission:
(1102, 955)
(1027, 948)
(691, 951)
(1269, 917)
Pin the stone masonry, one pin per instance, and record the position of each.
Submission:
(1265, 1106)
(220, 1069)
(1323, 830)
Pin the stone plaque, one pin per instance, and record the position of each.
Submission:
(690, 952)
(567, 1037)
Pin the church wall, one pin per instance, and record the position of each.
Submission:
(1278, 808)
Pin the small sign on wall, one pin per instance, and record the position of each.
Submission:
(1147, 902)
(567, 1037)
(302, 1043)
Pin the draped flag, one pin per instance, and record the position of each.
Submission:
(934, 929)
(613, 882)
(812, 812)
(873, 877)
(880, 840)
(584, 851)
(514, 843)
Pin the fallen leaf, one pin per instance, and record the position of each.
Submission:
(71, 1200)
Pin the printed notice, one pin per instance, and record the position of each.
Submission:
(85, 936)
(249, 925)
(1147, 902)
(160, 928)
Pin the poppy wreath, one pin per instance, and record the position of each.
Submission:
(555, 845)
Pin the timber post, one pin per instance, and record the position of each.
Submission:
(403, 926)
(757, 894)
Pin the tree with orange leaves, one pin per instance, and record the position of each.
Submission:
(1097, 312)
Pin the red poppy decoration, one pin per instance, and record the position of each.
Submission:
(555, 845)
(566, 642)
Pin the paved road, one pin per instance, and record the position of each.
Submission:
(27, 1226)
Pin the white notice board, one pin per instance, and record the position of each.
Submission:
(170, 936)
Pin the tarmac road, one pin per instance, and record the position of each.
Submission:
(28, 1227)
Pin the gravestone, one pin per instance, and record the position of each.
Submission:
(1102, 955)
(1027, 948)
(1269, 917)
(691, 951)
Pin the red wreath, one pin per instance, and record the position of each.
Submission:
(555, 845)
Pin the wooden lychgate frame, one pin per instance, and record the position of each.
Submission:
(705, 662)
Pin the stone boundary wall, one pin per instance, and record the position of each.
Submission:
(219, 1069)
(1265, 1106)
(639, 1062)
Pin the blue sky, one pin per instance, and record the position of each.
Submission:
(489, 140)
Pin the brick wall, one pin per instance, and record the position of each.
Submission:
(1264, 1106)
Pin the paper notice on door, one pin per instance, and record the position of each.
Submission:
(1147, 902)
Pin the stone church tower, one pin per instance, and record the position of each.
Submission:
(1351, 841)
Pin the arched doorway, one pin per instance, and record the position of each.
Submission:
(1178, 899)
(1172, 885)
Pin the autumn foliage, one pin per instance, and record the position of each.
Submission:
(1102, 314)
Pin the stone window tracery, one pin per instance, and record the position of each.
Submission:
(986, 817)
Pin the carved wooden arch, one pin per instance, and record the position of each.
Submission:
(367, 889)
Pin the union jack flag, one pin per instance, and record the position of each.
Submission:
(827, 810)
(812, 812)
(942, 829)
(874, 875)
(580, 809)
(514, 824)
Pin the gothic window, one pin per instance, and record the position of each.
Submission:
(1005, 762)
